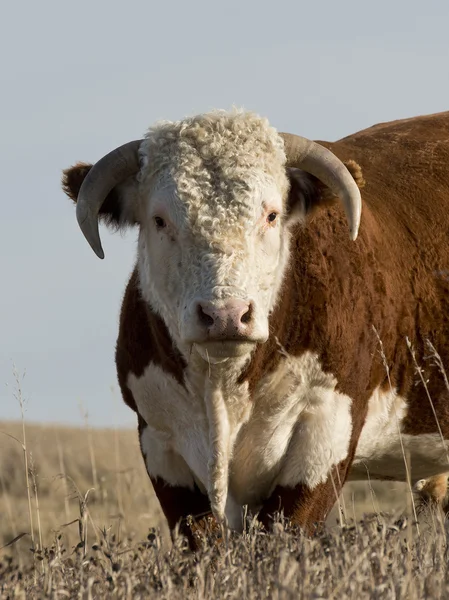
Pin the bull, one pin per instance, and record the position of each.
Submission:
(274, 337)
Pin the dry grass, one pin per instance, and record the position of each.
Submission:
(99, 532)
(119, 494)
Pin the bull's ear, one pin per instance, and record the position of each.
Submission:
(307, 193)
(119, 209)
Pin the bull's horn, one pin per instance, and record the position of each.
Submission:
(109, 171)
(324, 165)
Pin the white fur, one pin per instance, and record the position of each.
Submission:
(178, 426)
(162, 461)
(217, 244)
(219, 450)
(379, 451)
(300, 427)
(294, 430)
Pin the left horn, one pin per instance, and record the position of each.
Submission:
(324, 165)
(109, 171)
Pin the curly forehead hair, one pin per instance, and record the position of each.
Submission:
(218, 154)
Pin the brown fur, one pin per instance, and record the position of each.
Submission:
(338, 291)
(434, 492)
(71, 181)
(301, 505)
(143, 338)
(339, 295)
(328, 197)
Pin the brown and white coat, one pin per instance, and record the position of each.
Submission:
(331, 391)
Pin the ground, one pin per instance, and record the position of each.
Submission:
(99, 532)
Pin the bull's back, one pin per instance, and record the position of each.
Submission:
(405, 237)
(406, 168)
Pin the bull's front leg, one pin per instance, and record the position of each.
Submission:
(189, 509)
(304, 506)
(317, 463)
(184, 505)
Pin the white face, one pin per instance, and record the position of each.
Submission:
(212, 245)
(213, 270)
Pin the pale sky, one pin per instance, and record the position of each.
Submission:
(80, 78)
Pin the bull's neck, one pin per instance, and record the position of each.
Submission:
(282, 341)
(179, 360)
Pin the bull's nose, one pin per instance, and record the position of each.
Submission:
(231, 321)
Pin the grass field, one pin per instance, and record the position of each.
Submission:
(98, 531)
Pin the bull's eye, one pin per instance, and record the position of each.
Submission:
(272, 217)
(160, 223)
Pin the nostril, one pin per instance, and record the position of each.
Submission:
(203, 317)
(247, 316)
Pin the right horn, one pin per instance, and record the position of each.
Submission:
(324, 165)
(109, 171)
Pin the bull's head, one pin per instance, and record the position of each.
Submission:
(213, 197)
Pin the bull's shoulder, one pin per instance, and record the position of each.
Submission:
(399, 156)
(422, 128)
(405, 165)
(143, 339)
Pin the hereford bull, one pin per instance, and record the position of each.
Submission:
(269, 347)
